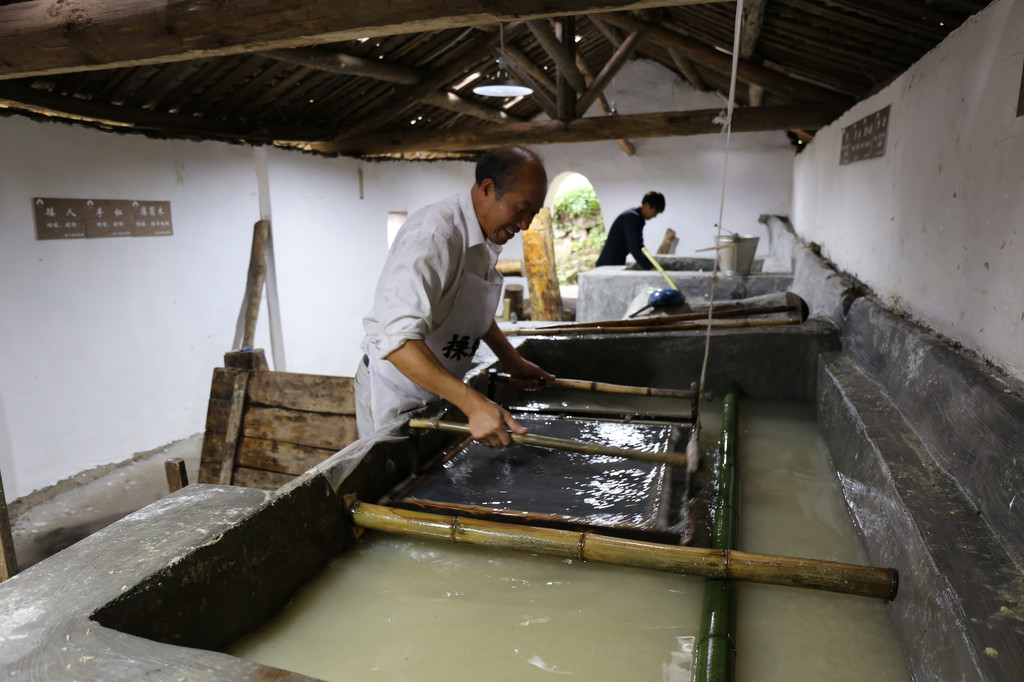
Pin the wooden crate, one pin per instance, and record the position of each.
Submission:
(264, 428)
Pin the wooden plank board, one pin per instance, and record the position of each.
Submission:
(308, 392)
(285, 458)
(330, 431)
(257, 478)
(209, 471)
(223, 382)
(217, 412)
(211, 457)
(233, 431)
(8, 562)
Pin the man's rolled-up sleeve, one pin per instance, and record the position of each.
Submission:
(410, 288)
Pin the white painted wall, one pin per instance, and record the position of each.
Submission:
(936, 226)
(107, 346)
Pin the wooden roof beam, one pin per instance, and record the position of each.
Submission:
(40, 37)
(537, 74)
(460, 105)
(397, 103)
(139, 120)
(750, 26)
(346, 64)
(710, 57)
(609, 32)
(589, 129)
(553, 46)
(539, 96)
(615, 63)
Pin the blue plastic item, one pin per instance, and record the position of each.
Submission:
(662, 298)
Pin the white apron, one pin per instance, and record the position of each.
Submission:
(453, 344)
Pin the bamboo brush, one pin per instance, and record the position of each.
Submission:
(675, 458)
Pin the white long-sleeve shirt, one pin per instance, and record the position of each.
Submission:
(420, 279)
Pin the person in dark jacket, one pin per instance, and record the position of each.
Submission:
(627, 233)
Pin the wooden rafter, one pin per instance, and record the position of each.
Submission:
(602, 79)
(43, 37)
(563, 60)
(712, 58)
(452, 102)
(750, 27)
(539, 96)
(346, 64)
(397, 103)
(536, 74)
(567, 91)
(589, 129)
(336, 62)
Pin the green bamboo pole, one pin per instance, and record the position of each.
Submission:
(676, 458)
(725, 565)
(716, 647)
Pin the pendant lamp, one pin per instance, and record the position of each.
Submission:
(501, 84)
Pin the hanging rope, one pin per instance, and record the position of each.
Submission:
(693, 445)
(727, 127)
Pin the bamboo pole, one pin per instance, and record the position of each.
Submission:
(609, 415)
(676, 458)
(655, 327)
(794, 307)
(657, 266)
(602, 387)
(864, 581)
(715, 654)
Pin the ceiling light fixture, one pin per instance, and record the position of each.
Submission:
(501, 84)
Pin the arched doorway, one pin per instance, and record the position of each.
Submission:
(577, 226)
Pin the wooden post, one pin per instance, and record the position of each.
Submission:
(177, 476)
(254, 284)
(539, 254)
(8, 562)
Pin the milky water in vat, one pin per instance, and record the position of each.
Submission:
(791, 504)
(399, 609)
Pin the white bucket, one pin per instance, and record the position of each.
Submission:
(738, 259)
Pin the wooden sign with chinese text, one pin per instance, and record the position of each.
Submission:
(865, 139)
(95, 218)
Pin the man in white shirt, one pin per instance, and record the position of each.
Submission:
(436, 298)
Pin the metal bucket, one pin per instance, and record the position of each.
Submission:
(738, 259)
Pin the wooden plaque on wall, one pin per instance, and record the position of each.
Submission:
(98, 218)
(865, 139)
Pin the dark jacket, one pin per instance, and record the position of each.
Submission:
(626, 236)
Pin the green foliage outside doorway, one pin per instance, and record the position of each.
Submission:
(578, 230)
